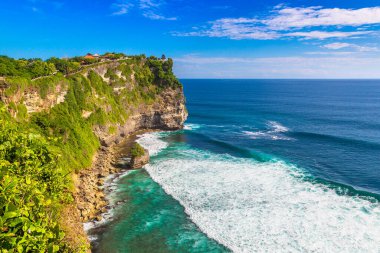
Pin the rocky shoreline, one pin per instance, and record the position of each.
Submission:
(90, 202)
(90, 195)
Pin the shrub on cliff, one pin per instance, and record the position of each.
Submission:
(31, 189)
(163, 72)
(137, 150)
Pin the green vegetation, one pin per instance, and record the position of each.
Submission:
(64, 66)
(34, 68)
(39, 151)
(112, 129)
(43, 85)
(162, 72)
(31, 187)
(137, 150)
(30, 68)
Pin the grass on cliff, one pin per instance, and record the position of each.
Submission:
(39, 151)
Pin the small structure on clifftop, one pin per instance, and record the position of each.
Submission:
(139, 156)
(91, 56)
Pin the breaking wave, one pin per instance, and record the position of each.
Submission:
(277, 127)
(252, 206)
(191, 126)
(274, 131)
(152, 142)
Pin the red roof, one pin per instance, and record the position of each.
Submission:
(89, 56)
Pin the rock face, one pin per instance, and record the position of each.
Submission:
(139, 161)
(33, 100)
(167, 113)
(35, 103)
(89, 196)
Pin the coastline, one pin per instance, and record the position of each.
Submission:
(90, 202)
(167, 113)
(94, 184)
(89, 198)
(91, 206)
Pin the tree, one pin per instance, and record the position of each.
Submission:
(64, 66)
(39, 68)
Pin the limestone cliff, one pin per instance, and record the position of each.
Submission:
(167, 113)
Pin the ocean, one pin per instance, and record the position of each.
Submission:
(261, 166)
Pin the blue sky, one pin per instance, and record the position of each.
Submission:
(207, 39)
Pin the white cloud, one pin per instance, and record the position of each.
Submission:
(154, 16)
(339, 66)
(121, 8)
(149, 4)
(336, 45)
(366, 49)
(323, 35)
(234, 28)
(287, 18)
(339, 45)
(331, 53)
(304, 23)
(149, 8)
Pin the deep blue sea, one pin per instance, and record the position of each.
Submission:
(261, 166)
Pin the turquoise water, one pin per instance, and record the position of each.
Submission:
(261, 166)
(151, 221)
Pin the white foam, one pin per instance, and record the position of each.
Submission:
(266, 207)
(275, 132)
(191, 126)
(152, 142)
(265, 135)
(277, 127)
